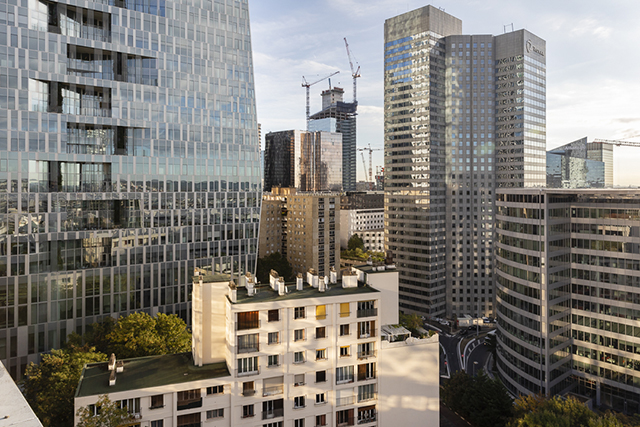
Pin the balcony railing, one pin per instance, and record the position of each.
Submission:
(367, 376)
(344, 381)
(367, 420)
(273, 390)
(367, 397)
(368, 334)
(247, 373)
(248, 348)
(343, 401)
(346, 423)
(368, 312)
(248, 392)
(243, 326)
(189, 404)
(275, 413)
(366, 354)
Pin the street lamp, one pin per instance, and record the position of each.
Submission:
(475, 363)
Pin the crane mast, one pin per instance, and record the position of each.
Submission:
(355, 73)
(307, 85)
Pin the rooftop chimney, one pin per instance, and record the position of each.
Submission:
(112, 362)
(233, 292)
(112, 378)
(273, 279)
(281, 286)
(299, 282)
(119, 366)
(312, 278)
(349, 280)
(333, 276)
(250, 282)
(323, 284)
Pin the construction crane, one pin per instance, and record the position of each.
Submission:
(355, 73)
(307, 85)
(370, 150)
(617, 142)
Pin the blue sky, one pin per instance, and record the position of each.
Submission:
(593, 62)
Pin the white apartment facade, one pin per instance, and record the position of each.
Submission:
(366, 223)
(301, 355)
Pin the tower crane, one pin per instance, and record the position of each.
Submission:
(355, 73)
(370, 150)
(307, 85)
(617, 142)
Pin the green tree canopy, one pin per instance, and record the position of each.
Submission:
(50, 385)
(109, 414)
(274, 261)
(410, 321)
(355, 242)
(536, 411)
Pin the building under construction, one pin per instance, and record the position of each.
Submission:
(339, 116)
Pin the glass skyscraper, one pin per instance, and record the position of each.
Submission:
(129, 155)
(464, 115)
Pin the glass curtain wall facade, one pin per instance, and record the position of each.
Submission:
(320, 167)
(464, 114)
(281, 159)
(128, 156)
(568, 276)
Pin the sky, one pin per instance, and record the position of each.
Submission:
(592, 51)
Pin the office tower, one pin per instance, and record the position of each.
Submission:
(129, 150)
(302, 227)
(568, 273)
(464, 114)
(602, 152)
(339, 116)
(295, 354)
(363, 214)
(579, 165)
(282, 159)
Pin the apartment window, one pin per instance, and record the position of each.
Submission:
(248, 343)
(248, 320)
(298, 380)
(157, 401)
(248, 388)
(344, 418)
(321, 312)
(345, 351)
(215, 413)
(218, 389)
(366, 414)
(189, 420)
(321, 420)
(298, 423)
(344, 330)
(298, 402)
(344, 309)
(366, 371)
(366, 329)
(321, 354)
(157, 423)
(321, 398)
(366, 309)
(274, 315)
(274, 360)
(321, 376)
(248, 365)
(247, 411)
(274, 338)
(321, 332)
(298, 357)
(299, 313)
(366, 392)
(274, 424)
(366, 350)
(133, 405)
(344, 374)
(298, 335)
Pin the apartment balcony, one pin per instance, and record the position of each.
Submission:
(346, 423)
(249, 392)
(250, 348)
(243, 326)
(367, 420)
(367, 376)
(369, 312)
(275, 413)
(273, 390)
(366, 354)
(370, 334)
(189, 404)
(344, 401)
(247, 373)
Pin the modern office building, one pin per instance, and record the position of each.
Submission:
(128, 156)
(308, 161)
(568, 274)
(339, 116)
(308, 353)
(303, 227)
(580, 164)
(363, 214)
(464, 115)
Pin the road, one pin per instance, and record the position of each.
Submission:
(479, 354)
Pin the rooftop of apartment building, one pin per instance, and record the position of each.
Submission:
(601, 192)
(146, 372)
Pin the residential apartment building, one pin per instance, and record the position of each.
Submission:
(363, 214)
(568, 274)
(339, 116)
(303, 227)
(129, 155)
(309, 353)
(464, 115)
(580, 164)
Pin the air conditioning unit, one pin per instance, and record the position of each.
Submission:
(137, 416)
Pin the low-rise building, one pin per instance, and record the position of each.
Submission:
(362, 213)
(309, 353)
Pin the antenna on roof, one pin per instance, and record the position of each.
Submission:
(507, 26)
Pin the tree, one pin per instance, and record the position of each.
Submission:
(274, 261)
(410, 321)
(355, 242)
(557, 411)
(50, 385)
(139, 335)
(108, 414)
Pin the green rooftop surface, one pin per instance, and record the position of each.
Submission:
(266, 294)
(369, 269)
(145, 372)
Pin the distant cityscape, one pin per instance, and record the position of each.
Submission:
(132, 180)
